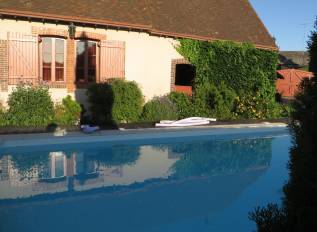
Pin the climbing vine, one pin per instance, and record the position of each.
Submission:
(246, 70)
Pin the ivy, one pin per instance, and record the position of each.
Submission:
(239, 67)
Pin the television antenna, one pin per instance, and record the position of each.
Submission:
(304, 25)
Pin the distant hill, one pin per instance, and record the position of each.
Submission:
(293, 59)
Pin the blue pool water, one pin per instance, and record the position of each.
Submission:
(199, 183)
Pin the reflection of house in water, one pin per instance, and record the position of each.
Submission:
(61, 166)
(56, 167)
(51, 177)
(79, 172)
(175, 183)
(57, 172)
(174, 155)
(4, 174)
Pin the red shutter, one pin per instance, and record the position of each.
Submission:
(112, 60)
(23, 58)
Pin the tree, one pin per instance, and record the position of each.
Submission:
(301, 190)
(299, 209)
(312, 47)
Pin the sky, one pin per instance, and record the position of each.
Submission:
(289, 21)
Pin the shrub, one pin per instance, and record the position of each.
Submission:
(159, 108)
(271, 218)
(261, 104)
(208, 101)
(3, 116)
(183, 104)
(212, 101)
(115, 102)
(100, 98)
(128, 101)
(286, 110)
(2, 109)
(68, 112)
(85, 117)
(257, 107)
(30, 106)
(3, 119)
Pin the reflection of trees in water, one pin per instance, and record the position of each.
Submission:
(221, 157)
(117, 155)
(29, 163)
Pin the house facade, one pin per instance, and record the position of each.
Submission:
(69, 45)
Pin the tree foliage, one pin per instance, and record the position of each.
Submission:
(312, 47)
(301, 190)
(299, 210)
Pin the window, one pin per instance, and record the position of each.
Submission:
(53, 59)
(59, 60)
(59, 166)
(86, 56)
(185, 74)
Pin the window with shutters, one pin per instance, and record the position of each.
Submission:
(86, 61)
(53, 59)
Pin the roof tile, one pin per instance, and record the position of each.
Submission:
(198, 19)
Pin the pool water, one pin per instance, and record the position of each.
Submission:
(201, 183)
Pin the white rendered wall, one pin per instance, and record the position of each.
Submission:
(148, 58)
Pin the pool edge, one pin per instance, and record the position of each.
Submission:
(20, 140)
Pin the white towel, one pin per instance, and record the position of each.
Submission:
(193, 121)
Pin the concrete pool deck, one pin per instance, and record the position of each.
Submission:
(64, 137)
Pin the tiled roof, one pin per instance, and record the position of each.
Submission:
(292, 74)
(198, 19)
(293, 59)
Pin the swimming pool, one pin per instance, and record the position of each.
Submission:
(187, 181)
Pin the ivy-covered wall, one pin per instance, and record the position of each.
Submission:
(240, 66)
(248, 71)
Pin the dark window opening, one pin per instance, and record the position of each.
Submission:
(185, 74)
(86, 61)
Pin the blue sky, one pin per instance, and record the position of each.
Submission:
(289, 21)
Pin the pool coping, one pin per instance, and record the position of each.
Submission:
(64, 137)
